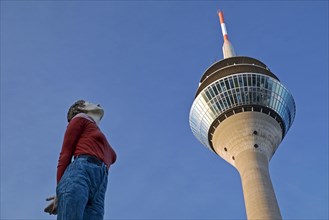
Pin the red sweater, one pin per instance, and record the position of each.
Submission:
(83, 136)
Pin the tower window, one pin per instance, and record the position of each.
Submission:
(255, 133)
(256, 145)
(225, 148)
(233, 158)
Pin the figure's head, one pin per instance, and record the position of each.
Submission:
(82, 106)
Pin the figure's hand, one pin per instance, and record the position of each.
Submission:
(52, 207)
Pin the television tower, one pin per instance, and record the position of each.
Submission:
(241, 112)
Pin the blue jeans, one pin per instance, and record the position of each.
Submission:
(81, 191)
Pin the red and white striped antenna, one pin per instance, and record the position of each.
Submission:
(228, 50)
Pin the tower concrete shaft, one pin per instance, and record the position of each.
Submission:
(259, 196)
(248, 141)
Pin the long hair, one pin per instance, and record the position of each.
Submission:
(75, 109)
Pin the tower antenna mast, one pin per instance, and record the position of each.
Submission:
(228, 50)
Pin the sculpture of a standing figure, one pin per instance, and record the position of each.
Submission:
(81, 184)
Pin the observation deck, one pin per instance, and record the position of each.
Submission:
(235, 85)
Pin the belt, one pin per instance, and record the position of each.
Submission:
(91, 159)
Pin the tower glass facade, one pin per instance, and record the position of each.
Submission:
(239, 90)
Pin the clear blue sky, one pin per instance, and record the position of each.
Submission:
(142, 62)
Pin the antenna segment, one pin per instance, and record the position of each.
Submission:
(228, 50)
